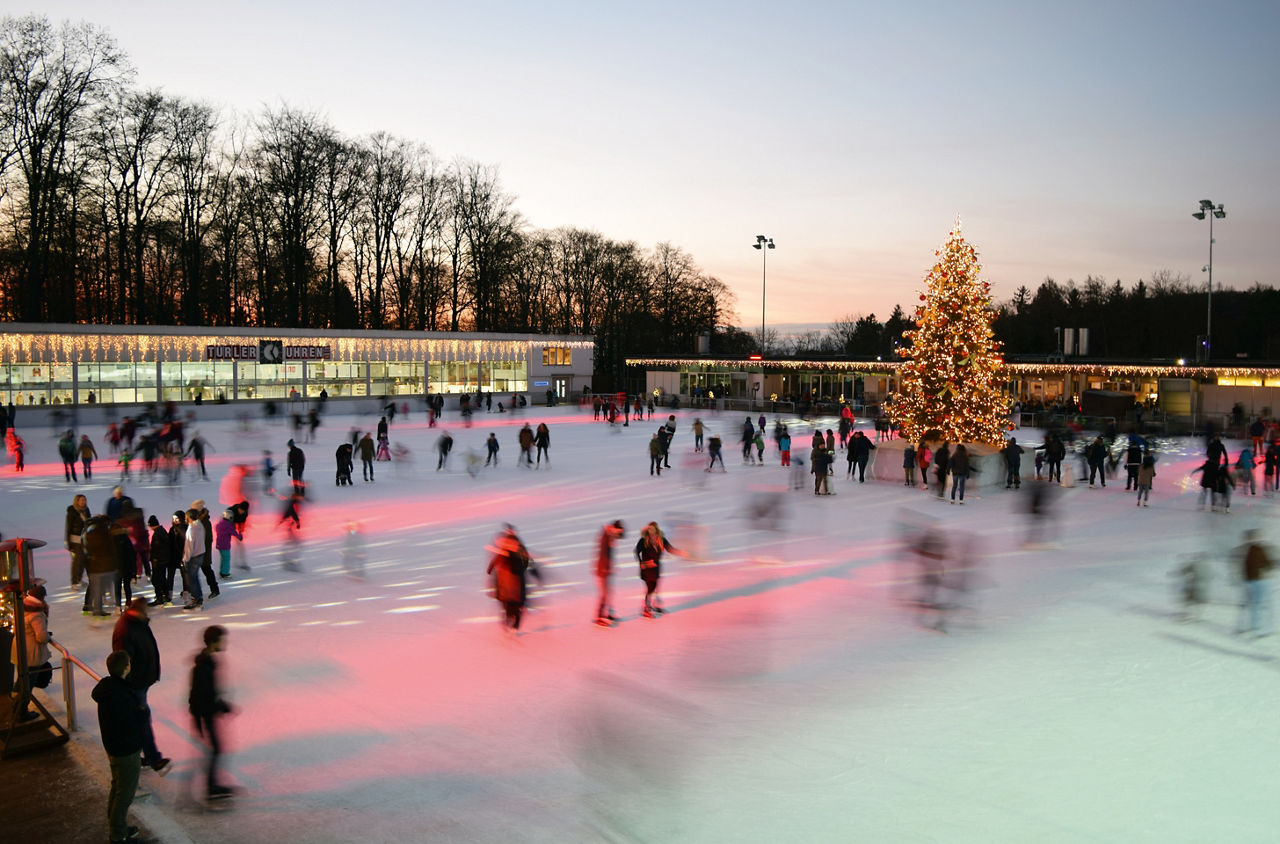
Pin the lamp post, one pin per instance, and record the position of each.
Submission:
(1207, 208)
(764, 244)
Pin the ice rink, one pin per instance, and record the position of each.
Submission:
(791, 693)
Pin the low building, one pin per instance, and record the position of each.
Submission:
(112, 364)
(1186, 394)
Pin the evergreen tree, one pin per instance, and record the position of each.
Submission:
(951, 381)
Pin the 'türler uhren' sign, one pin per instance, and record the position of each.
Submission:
(266, 351)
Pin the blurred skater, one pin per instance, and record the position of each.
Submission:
(609, 535)
(1255, 612)
(508, 566)
(207, 706)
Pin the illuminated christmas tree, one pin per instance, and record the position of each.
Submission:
(950, 379)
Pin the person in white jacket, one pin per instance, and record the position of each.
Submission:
(192, 559)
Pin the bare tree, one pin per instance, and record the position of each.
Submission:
(389, 173)
(50, 80)
(343, 169)
(134, 147)
(286, 164)
(490, 234)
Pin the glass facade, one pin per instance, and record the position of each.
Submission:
(135, 383)
(340, 379)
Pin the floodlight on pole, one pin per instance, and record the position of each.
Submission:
(764, 244)
(1212, 211)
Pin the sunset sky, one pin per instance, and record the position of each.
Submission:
(1070, 138)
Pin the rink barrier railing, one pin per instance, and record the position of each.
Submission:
(69, 665)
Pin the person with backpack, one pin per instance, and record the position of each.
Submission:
(924, 458)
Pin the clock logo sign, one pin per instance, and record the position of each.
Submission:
(270, 351)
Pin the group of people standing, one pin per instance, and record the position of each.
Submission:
(113, 550)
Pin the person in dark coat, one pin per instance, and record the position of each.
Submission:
(342, 465)
(820, 460)
(177, 543)
(161, 567)
(1096, 456)
(860, 447)
(609, 534)
(368, 451)
(121, 733)
(133, 635)
(941, 466)
(1013, 464)
(508, 566)
(525, 439)
(444, 444)
(77, 515)
(1132, 462)
(295, 464)
(649, 550)
(959, 468)
(126, 561)
(100, 554)
(542, 440)
(67, 451)
(206, 705)
(748, 438)
(117, 504)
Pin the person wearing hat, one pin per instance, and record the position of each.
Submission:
(161, 570)
(206, 563)
(35, 619)
(192, 554)
(223, 532)
(609, 534)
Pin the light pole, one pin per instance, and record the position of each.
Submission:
(764, 244)
(1212, 211)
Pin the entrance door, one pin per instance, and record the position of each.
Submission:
(560, 384)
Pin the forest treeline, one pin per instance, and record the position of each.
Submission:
(130, 206)
(1163, 317)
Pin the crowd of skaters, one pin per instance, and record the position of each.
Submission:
(183, 550)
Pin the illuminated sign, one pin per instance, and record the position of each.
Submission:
(267, 351)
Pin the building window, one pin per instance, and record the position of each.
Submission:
(556, 356)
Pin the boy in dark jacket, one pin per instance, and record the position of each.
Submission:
(206, 705)
(161, 568)
(122, 739)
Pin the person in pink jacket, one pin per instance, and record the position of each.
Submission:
(223, 531)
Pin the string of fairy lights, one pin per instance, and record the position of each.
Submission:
(1108, 371)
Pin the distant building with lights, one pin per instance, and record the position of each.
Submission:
(1181, 391)
(113, 364)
